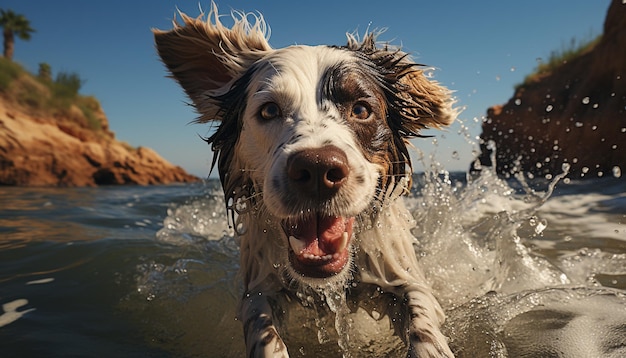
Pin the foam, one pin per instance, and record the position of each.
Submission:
(11, 313)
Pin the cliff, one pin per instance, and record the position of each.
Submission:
(575, 113)
(69, 148)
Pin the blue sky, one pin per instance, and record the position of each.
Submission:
(481, 49)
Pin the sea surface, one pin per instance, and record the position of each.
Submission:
(523, 267)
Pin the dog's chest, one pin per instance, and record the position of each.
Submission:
(365, 320)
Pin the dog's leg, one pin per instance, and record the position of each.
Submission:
(426, 315)
(262, 339)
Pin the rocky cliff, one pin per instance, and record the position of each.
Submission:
(574, 114)
(38, 150)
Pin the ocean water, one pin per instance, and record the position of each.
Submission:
(523, 269)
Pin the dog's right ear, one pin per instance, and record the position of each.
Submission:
(206, 57)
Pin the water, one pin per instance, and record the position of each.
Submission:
(151, 271)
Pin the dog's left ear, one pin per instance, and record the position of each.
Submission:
(206, 57)
(424, 102)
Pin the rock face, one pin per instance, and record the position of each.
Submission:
(576, 114)
(38, 151)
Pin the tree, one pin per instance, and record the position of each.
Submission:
(13, 24)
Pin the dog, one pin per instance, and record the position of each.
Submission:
(312, 151)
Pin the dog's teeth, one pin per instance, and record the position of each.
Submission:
(344, 241)
(296, 245)
(312, 257)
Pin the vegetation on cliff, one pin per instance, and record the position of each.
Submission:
(43, 97)
(570, 113)
(557, 58)
(51, 135)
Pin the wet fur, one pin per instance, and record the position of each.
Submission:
(228, 73)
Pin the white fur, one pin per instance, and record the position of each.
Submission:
(211, 62)
(291, 79)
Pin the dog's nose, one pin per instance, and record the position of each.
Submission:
(318, 172)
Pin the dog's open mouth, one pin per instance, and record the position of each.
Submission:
(319, 244)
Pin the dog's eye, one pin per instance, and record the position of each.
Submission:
(270, 111)
(360, 111)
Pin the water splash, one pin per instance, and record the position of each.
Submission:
(198, 220)
(488, 248)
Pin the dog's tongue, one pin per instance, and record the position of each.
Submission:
(323, 235)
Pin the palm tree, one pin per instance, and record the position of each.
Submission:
(13, 24)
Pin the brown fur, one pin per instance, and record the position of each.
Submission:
(214, 65)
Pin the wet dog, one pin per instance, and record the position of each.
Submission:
(312, 152)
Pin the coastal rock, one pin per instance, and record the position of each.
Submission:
(36, 151)
(576, 114)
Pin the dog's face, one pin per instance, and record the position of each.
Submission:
(313, 136)
(313, 140)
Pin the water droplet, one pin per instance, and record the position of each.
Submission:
(595, 105)
(512, 68)
(578, 124)
(565, 167)
(549, 108)
(518, 101)
(617, 172)
(497, 78)
(541, 225)
(586, 100)
(585, 169)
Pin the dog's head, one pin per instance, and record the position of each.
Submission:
(311, 136)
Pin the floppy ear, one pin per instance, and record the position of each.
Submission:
(414, 101)
(426, 102)
(206, 57)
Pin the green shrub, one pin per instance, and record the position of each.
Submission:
(92, 121)
(66, 85)
(58, 99)
(91, 103)
(30, 93)
(9, 71)
(557, 58)
(45, 72)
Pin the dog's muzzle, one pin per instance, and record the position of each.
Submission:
(319, 242)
